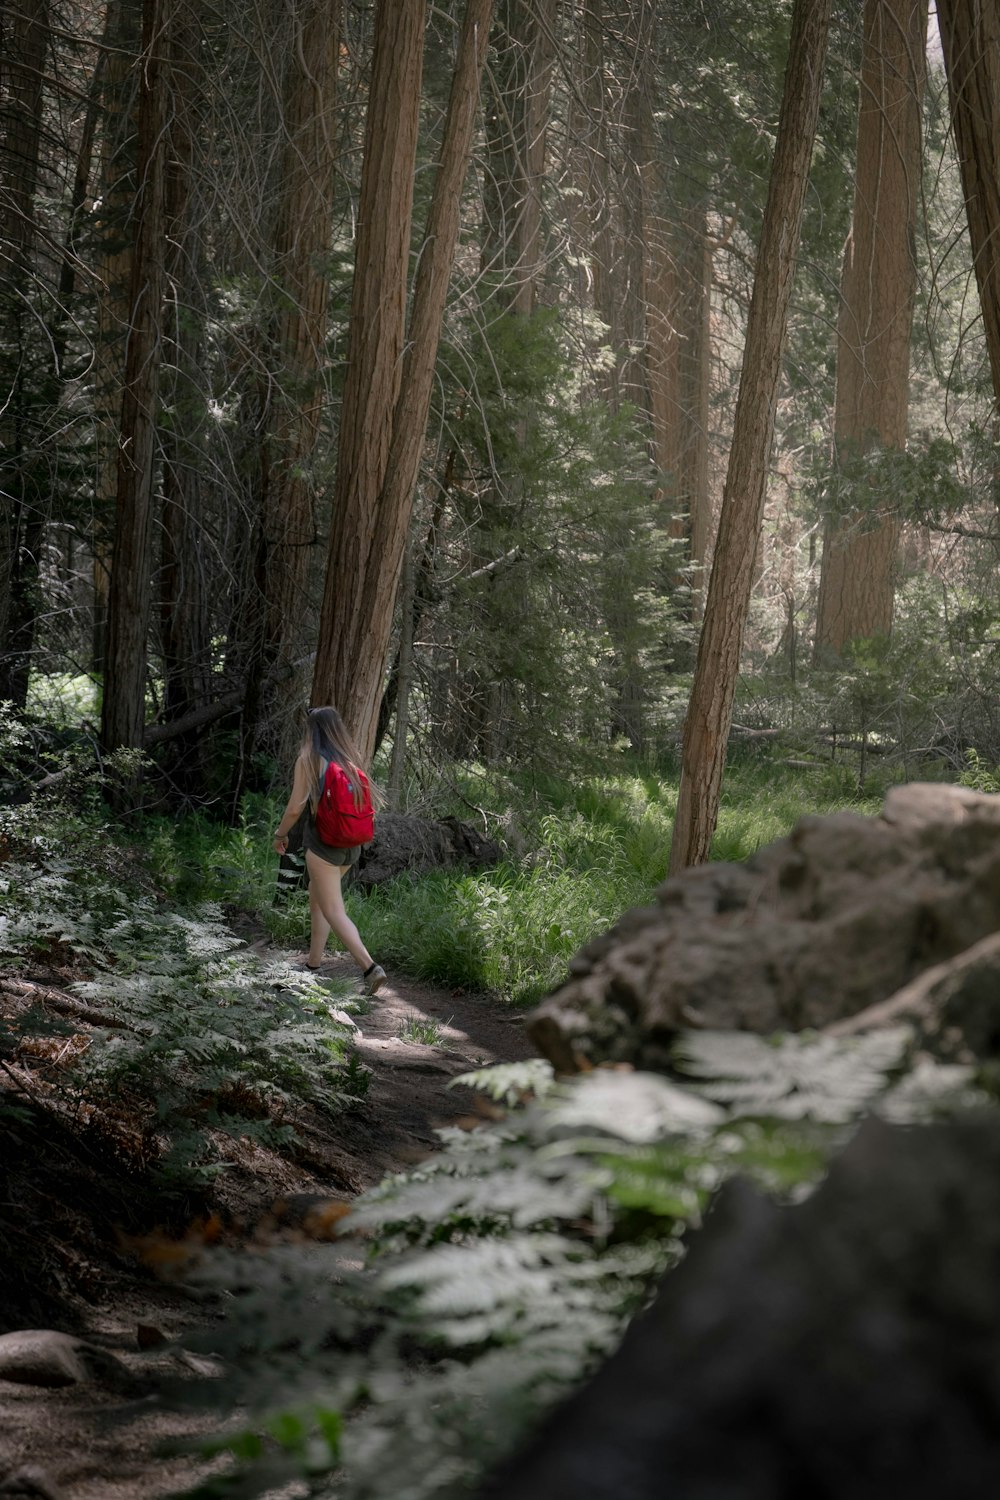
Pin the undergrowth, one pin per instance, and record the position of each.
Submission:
(194, 1044)
(576, 856)
(505, 1267)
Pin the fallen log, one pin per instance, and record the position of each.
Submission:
(407, 845)
(61, 1003)
(403, 845)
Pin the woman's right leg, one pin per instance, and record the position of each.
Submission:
(324, 880)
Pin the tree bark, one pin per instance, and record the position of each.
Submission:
(857, 579)
(355, 592)
(970, 39)
(710, 710)
(516, 125)
(297, 390)
(372, 521)
(184, 581)
(115, 256)
(24, 39)
(122, 716)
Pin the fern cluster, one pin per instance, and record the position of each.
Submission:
(218, 1040)
(500, 1270)
(205, 1042)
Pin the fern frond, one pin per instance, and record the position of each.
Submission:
(792, 1077)
(637, 1107)
(931, 1091)
(509, 1083)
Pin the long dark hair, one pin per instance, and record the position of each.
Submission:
(327, 737)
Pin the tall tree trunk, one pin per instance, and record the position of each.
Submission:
(129, 603)
(517, 117)
(183, 582)
(24, 38)
(857, 578)
(116, 247)
(295, 397)
(970, 39)
(354, 593)
(680, 361)
(354, 643)
(709, 716)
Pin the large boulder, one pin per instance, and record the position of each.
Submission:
(843, 1349)
(819, 926)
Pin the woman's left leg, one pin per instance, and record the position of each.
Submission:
(324, 888)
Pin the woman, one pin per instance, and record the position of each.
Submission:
(326, 738)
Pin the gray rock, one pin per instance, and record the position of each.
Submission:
(41, 1356)
(954, 1007)
(837, 917)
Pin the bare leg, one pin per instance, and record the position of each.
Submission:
(324, 890)
(319, 928)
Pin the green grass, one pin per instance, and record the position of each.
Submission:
(586, 851)
(424, 1029)
(62, 698)
(761, 803)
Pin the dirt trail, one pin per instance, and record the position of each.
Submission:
(65, 1434)
(410, 1095)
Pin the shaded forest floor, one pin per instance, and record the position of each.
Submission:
(111, 1260)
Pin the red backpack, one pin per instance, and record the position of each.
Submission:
(341, 821)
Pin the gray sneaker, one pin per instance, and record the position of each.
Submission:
(374, 979)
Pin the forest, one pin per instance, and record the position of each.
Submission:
(598, 402)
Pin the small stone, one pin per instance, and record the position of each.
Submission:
(148, 1336)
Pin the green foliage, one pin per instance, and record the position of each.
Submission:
(554, 555)
(423, 1029)
(931, 691)
(199, 858)
(205, 1044)
(506, 1265)
(792, 1077)
(509, 931)
(978, 775)
(919, 483)
(223, 1042)
(510, 1083)
(904, 708)
(580, 852)
(63, 698)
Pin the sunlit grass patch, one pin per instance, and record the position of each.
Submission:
(586, 850)
(764, 802)
(62, 698)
